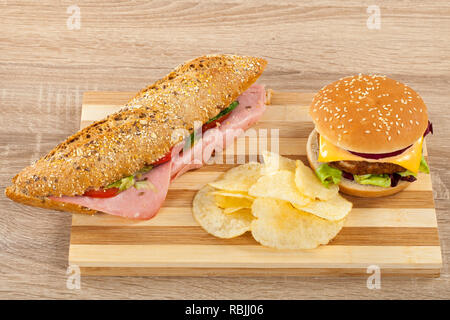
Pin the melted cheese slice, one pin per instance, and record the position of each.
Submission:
(409, 159)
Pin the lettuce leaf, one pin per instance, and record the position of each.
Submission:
(225, 111)
(424, 166)
(130, 181)
(328, 175)
(380, 180)
(407, 173)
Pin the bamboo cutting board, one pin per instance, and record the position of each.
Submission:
(398, 233)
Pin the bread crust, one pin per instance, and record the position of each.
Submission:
(44, 202)
(137, 135)
(369, 114)
(347, 186)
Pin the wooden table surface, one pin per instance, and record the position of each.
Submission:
(46, 65)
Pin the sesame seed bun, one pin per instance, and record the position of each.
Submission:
(347, 186)
(369, 114)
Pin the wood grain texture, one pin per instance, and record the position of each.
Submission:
(132, 255)
(193, 235)
(45, 68)
(251, 272)
(180, 216)
(185, 246)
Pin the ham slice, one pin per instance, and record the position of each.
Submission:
(250, 109)
(132, 203)
(145, 203)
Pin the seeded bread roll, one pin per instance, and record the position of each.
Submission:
(369, 114)
(137, 135)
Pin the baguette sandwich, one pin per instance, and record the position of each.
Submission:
(123, 164)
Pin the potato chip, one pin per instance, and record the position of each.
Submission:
(231, 210)
(282, 202)
(215, 221)
(279, 225)
(279, 185)
(232, 201)
(233, 194)
(273, 162)
(239, 178)
(333, 209)
(308, 184)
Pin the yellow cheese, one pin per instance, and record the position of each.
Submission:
(409, 159)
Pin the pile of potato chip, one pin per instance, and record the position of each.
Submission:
(281, 202)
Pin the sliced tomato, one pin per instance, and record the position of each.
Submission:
(166, 158)
(102, 193)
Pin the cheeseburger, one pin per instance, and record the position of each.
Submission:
(368, 136)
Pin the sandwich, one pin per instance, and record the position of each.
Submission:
(123, 164)
(368, 136)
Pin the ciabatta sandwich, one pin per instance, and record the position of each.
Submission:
(123, 164)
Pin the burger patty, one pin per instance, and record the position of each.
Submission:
(365, 167)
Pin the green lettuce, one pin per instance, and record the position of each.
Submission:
(328, 175)
(424, 166)
(225, 111)
(407, 173)
(123, 184)
(130, 181)
(380, 180)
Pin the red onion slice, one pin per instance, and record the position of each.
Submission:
(377, 156)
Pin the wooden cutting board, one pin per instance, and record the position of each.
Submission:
(397, 233)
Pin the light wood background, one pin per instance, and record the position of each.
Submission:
(123, 46)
